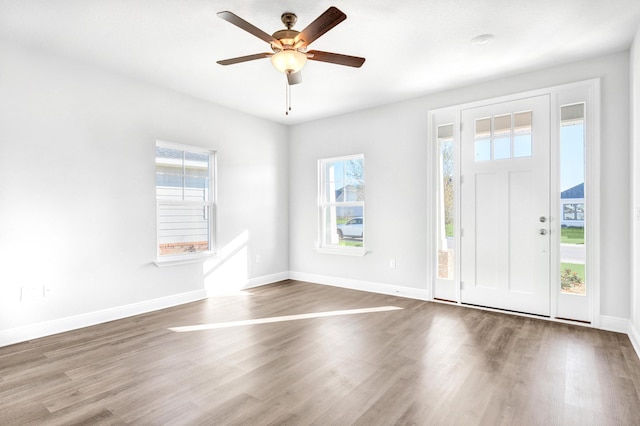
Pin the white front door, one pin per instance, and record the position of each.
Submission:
(504, 217)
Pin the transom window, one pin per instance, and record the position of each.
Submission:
(503, 136)
(341, 195)
(185, 200)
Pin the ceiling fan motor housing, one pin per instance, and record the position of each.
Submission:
(286, 38)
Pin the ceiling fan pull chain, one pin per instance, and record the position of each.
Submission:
(286, 99)
(288, 96)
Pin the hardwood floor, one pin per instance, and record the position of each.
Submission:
(424, 364)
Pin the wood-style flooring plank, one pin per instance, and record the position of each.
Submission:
(424, 364)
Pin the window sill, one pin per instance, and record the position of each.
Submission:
(342, 251)
(183, 260)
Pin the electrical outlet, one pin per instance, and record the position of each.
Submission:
(392, 264)
(258, 258)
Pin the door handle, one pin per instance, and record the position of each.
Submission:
(543, 232)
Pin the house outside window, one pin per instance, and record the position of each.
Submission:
(341, 203)
(185, 201)
(573, 212)
(572, 201)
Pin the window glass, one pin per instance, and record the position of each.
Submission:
(342, 208)
(446, 192)
(572, 200)
(185, 207)
(483, 139)
(522, 134)
(503, 136)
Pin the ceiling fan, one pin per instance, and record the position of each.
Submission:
(289, 46)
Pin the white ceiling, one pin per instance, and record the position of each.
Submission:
(412, 47)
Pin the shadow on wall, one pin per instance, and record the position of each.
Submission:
(228, 272)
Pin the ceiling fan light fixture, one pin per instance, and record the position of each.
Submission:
(289, 61)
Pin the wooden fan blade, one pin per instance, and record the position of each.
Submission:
(250, 28)
(335, 58)
(323, 23)
(294, 78)
(244, 58)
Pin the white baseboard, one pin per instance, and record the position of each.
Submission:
(370, 286)
(48, 328)
(634, 336)
(617, 324)
(267, 279)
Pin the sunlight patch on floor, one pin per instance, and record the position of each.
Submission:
(217, 325)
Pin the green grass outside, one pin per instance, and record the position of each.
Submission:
(572, 236)
(350, 243)
(448, 229)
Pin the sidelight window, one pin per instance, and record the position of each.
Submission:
(572, 199)
(446, 201)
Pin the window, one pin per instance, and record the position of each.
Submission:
(342, 203)
(185, 201)
(503, 136)
(572, 199)
(446, 200)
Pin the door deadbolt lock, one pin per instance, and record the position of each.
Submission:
(543, 219)
(543, 232)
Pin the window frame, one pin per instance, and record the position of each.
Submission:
(322, 246)
(211, 204)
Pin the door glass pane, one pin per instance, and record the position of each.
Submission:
(522, 146)
(502, 137)
(522, 134)
(501, 148)
(572, 200)
(446, 192)
(483, 139)
(483, 150)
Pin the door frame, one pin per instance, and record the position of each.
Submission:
(587, 91)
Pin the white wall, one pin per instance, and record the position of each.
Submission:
(77, 206)
(635, 189)
(77, 189)
(393, 139)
